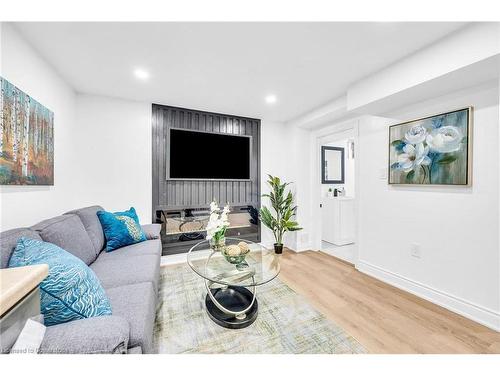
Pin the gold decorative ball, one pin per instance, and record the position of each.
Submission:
(233, 250)
(244, 247)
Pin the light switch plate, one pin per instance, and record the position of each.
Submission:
(382, 173)
(415, 250)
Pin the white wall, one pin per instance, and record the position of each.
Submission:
(22, 66)
(273, 161)
(114, 150)
(283, 154)
(102, 145)
(297, 159)
(467, 46)
(456, 227)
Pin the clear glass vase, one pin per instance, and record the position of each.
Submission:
(217, 244)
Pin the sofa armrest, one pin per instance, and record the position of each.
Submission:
(103, 334)
(152, 231)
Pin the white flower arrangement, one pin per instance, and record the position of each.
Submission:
(218, 222)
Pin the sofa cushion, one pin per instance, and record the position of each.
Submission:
(8, 242)
(137, 304)
(127, 270)
(101, 334)
(71, 290)
(88, 216)
(142, 248)
(152, 231)
(121, 228)
(68, 232)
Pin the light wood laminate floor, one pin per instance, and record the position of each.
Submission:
(382, 318)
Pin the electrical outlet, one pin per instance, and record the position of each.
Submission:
(415, 250)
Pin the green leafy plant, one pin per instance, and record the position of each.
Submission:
(282, 204)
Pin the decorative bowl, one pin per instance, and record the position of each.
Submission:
(235, 254)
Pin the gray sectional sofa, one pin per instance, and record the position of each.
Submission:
(129, 276)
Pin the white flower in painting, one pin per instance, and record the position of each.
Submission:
(416, 134)
(413, 156)
(445, 139)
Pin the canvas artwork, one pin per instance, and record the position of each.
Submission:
(431, 151)
(26, 139)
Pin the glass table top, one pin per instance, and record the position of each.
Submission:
(260, 266)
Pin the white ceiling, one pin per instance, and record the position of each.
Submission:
(227, 67)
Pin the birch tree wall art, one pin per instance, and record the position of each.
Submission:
(26, 139)
(434, 150)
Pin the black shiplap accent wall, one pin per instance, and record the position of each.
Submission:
(178, 194)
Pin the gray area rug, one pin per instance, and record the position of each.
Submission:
(286, 322)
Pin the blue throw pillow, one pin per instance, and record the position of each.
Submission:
(121, 228)
(70, 291)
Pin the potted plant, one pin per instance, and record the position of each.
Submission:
(282, 204)
(217, 226)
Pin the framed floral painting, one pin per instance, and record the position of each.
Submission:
(433, 150)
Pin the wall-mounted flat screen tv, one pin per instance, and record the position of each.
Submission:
(198, 155)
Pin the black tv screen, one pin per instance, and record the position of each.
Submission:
(201, 155)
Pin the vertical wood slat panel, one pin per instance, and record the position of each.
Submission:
(218, 126)
(177, 193)
(236, 126)
(202, 121)
(162, 141)
(183, 120)
(243, 185)
(154, 162)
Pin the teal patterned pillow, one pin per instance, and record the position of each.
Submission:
(121, 228)
(70, 291)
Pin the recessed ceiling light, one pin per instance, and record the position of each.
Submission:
(270, 99)
(141, 74)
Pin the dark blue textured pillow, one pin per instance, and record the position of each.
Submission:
(70, 291)
(121, 228)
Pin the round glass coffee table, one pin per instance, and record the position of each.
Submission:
(231, 289)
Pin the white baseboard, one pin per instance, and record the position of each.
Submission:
(479, 314)
(345, 252)
(267, 245)
(305, 247)
(167, 260)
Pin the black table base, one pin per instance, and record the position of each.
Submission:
(234, 298)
